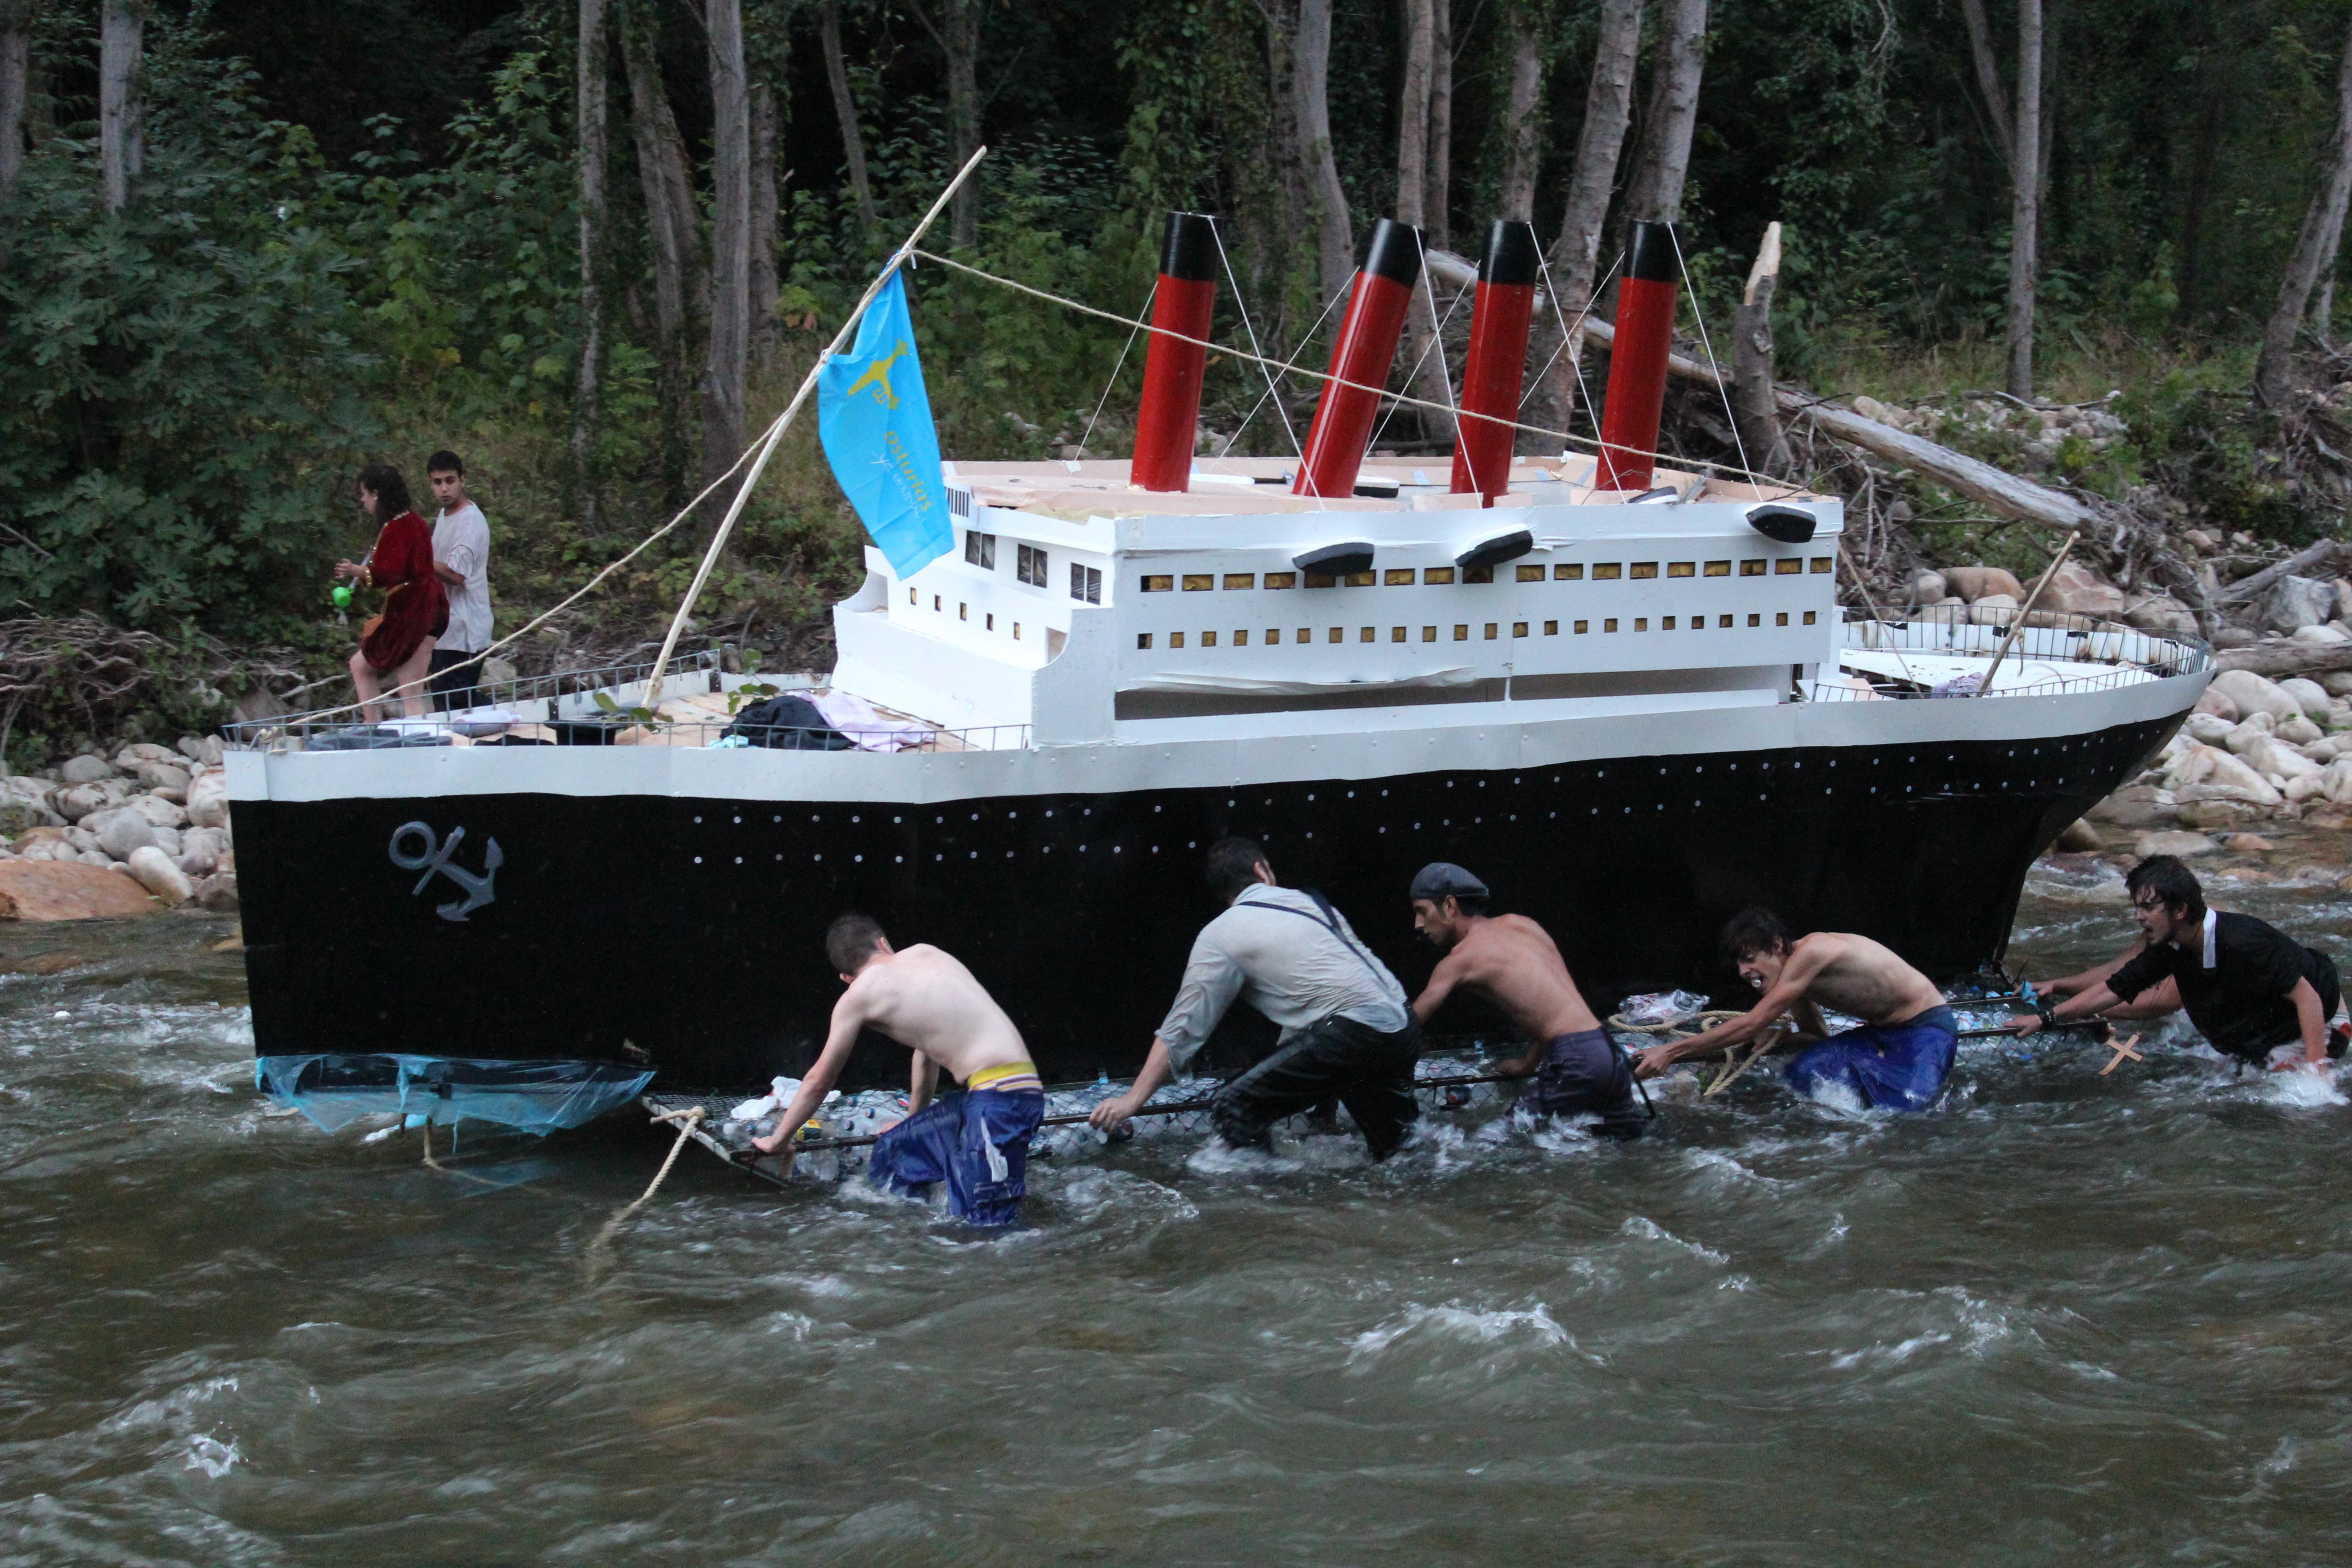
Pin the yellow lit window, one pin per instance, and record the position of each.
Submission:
(911, 595)
(1396, 633)
(1607, 572)
(991, 623)
(1531, 573)
(1751, 568)
(935, 603)
(1282, 579)
(1175, 639)
(1781, 619)
(1142, 639)
(1755, 620)
(1551, 629)
(1016, 631)
(1273, 636)
(1722, 620)
(1208, 639)
(1240, 579)
(1568, 571)
(1666, 625)
(1518, 628)
(1644, 570)
(1306, 634)
(1157, 585)
(1583, 627)
(1641, 623)
(1477, 573)
(963, 612)
(1339, 634)
(1436, 575)
(1698, 622)
(1821, 565)
(1609, 625)
(1491, 630)
(1199, 582)
(1787, 566)
(1719, 568)
(1428, 634)
(1682, 568)
(1365, 635)
(1362, 579)
(1460, 634)
(1241, 638)
(1399, 577)
(1809, 617)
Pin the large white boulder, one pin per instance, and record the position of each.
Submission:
(2274, 758)
(159, 876)
(2077, 590)
(1993, 609)
(85, 769)
(122, 832)
(157, 810)
(1974, 582)
(209, 799)
(155, 775)
(200, 851)
(2309, 696)
(2161, 614)
(2299, 732)
(2211, 766)
(2255, 694)
(2299, 602)
(2209, 728)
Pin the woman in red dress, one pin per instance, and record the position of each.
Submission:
(396, 647)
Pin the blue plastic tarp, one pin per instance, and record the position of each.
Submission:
(535, 1095)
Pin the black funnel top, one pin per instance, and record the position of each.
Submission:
(1190, 252)
(1652, 260)
(1511, 253)
(1394, 252)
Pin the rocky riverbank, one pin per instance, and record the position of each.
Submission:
(157, 816)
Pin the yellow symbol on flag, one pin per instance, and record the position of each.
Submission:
(877, 375)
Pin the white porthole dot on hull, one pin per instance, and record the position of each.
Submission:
(698, 860)
(938, 857)
(1383, 830)
(857, 858)
(738, 822)
(1192, 844)
(975, 854)
(738, 859)
(853, 819)
(779, 854)
(698, 819)
(1116, 849)
(780, 817)
(894, 859)
(816, 857)
(894, 819)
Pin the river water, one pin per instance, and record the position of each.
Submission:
(2069, 1319)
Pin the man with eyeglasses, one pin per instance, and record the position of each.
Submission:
(2247, 986)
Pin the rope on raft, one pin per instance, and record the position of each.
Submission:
(1734, 1064)
(686, 1121)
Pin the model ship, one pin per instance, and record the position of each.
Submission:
(1625, 694)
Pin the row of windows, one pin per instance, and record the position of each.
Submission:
(1030, 566)
(1566, 572)
(963, 612)
(1240, 636)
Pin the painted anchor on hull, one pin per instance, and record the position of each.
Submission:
(436, 862)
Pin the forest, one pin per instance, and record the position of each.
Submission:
(594, 245)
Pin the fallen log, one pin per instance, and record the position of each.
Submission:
(2288, 657)
(2259, 583)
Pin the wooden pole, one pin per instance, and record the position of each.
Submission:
(767, 446)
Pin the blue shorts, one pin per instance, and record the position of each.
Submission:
(976, 1141)
(1585, 1074)
(1888, 1066)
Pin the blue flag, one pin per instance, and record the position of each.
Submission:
(875, 419)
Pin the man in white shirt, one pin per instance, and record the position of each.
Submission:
(1345, 1031)
(461, 559)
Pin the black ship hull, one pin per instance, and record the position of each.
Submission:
(685, 934)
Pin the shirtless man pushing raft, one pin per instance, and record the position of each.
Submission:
(976, 1142)
(1898, 1058)
(1578, 1069)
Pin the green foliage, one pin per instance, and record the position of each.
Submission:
(182, 376)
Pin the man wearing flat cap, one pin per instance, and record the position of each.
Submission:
(1576, 1068)
(1346, 1035)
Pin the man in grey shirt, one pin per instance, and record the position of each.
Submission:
(461, 559)
(1345, 1031)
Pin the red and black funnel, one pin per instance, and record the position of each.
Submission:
(1172, 368)
(1365, 350)
(1498, 359)
(1637, 363)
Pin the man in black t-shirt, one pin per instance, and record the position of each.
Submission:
(2247, 986)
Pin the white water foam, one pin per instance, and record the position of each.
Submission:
(1466, 1325)
(1651, 1230)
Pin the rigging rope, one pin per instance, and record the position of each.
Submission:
(1241, 308)
(688, 1120)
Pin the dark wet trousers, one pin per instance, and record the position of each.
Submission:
(1368, 1073)
(1585, 1074)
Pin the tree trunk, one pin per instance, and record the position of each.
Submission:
(15, 84)
(844, 109)
(1663, 167)
(1754, 412)
(2315, 246)
(587, 402)
(1437, 211)
(1335, 242)
(730, 241)
(1608, 104)
(680, 283)
(962, 45)
(1522, 117)
(2025, 206)
(1429, 378)
(122, 145)
(763, 286)
(1988, 82)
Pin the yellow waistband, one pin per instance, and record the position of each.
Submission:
(1005, 1075)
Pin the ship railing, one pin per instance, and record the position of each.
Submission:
(2129, 656)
